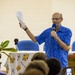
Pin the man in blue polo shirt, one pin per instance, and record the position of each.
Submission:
(56, 41)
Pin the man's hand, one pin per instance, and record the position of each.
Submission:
(22, 24)
(54, 34)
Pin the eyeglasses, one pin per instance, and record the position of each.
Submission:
(56, 18)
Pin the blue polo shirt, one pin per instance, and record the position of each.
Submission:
(51, 46)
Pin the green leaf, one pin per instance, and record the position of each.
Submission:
(10, 49)
(1, 43)
(4, 44)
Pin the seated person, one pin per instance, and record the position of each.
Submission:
(2, 73)
(54, 66)
(32, 72)
(39, 65)
(39, 56)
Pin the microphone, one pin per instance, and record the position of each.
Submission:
(54, 27)
(16, 41)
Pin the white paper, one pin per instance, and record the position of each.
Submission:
(19, 15)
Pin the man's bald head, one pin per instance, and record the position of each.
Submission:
(57, 15)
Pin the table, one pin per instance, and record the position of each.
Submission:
(18, 62)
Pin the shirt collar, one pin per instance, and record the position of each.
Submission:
(60, 29)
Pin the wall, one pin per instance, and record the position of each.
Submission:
(36, 16)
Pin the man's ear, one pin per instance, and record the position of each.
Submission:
(61, 19)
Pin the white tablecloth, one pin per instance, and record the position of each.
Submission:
(18, 62)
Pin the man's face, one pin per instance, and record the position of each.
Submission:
(56, 19)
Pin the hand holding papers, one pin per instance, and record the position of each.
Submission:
(20, 18)
(19, 15)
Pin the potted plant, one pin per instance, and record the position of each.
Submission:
(3, 48)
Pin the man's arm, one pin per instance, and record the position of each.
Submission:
(32, 37)
(60, 42)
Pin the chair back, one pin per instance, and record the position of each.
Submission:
(73, 46)
(27, 45)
